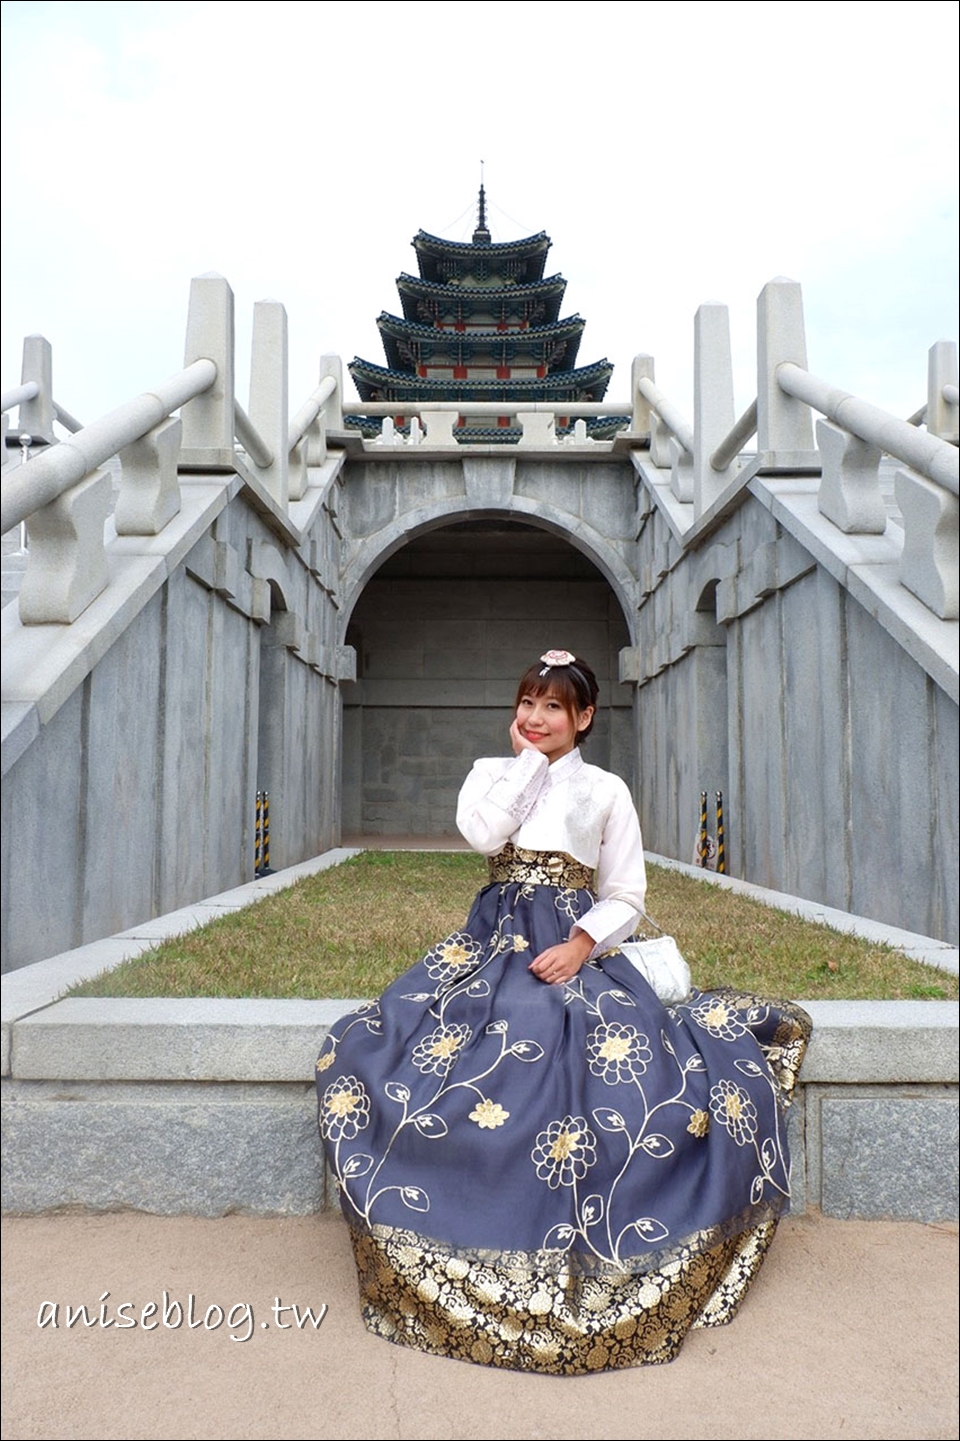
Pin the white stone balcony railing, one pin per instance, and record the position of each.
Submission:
(435, 424)
(63, 495)
(706, 466)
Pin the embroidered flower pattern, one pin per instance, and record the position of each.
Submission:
(564, 1152)
(452, 956)
(437, 1052)
(325, 1062)
(617, 1053)
(699, 1123)
(566, 902)
(714, 1015)
(520, 943)
(345, 1109)
(489, 1115)
(733, 1109)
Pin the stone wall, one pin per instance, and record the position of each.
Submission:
(835, 751)
(137, 793)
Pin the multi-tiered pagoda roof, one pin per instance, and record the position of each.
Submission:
(481, 323)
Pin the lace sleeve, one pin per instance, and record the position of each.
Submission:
(621, 879)
(497, 797)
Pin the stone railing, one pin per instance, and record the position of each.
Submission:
(63, 495)
(705, 464)
(434, 424)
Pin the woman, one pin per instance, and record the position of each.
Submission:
(542, 1166)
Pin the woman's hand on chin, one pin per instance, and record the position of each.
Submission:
(518, 740)
(559, 964)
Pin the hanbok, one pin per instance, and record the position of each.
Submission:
(559, 1179)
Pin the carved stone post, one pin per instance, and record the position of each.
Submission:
(713, 413)
(208, 420)
(439, 426)
(333, 409)
(268, 394)
(661, 454)
(929, 563)
(67, 568)
(681, 471)
(149, 490)
(36, 415)
(942, 412)
(642, 368)
(539, 428)
(784, 425)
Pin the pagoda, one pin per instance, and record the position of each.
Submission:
(481, 322)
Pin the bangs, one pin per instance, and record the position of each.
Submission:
(557, 682)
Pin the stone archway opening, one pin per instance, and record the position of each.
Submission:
(442, 631)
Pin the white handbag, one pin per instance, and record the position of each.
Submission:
(660, 963)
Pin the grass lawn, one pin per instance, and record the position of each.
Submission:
(348, 931)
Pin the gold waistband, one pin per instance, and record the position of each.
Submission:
(540, 868)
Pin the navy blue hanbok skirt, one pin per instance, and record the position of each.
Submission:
(560, 1179)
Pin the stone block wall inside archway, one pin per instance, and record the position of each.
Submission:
(442, 632)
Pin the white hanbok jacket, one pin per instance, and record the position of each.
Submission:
(568, 806)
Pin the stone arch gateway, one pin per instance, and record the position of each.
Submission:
(441, 631)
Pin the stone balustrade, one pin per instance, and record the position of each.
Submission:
(706, 464)
(63, 496)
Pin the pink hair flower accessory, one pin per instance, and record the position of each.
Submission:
(556, 657)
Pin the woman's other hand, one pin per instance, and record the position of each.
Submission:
(559, 964)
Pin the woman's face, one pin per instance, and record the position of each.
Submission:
(547, 724)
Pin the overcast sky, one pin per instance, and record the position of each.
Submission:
(674, 153)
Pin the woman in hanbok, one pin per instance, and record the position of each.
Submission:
(544, 1166)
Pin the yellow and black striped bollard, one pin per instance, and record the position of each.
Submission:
(265, 837)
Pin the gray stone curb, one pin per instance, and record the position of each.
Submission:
(34, 987)
(114, 1039)
(927, 950)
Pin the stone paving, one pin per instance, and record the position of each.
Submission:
(850, 1332)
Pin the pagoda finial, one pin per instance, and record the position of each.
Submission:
(481, 236)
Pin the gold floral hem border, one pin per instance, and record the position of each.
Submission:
(577, 1261)
(563, 1322)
